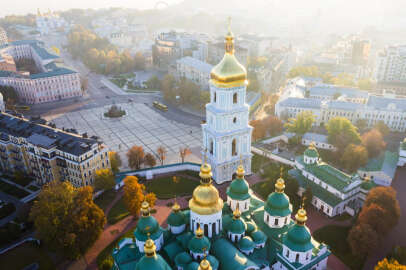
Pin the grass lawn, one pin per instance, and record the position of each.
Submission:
(24, 255)
(336, 237)
(117, 212)
(165, 188)
(106, 252)
(104, 199)
(13, 190)
(257, 162)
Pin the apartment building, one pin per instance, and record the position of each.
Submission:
(391, 64)
(47, 153)
(3, 36)
(195, 70)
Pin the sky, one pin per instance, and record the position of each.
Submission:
(21, 7)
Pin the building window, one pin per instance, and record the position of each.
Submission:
(234, 147)
(211, 146)
(235, 98)
(297, 257)
(235, 120)
(276, 221)
(215, 97)
(287, 253)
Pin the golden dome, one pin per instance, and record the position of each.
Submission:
(145, 209)
(229, 72)
(301, 216)
(205, 199)
(204, 265)
(280, 183)
(237, 213)
(176, 207)
(149, 247)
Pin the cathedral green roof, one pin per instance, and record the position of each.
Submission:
(214, 263)
(197, 245)
(298, 238)
(251, 226)
(176, 219)
(246, 243)
(238, 189)
(311, 152)
(183, 259)
(152, 263)
(237, 226)
(278, 204)
(230, 258)
(192, 266)
(258, 237)
(147, 225)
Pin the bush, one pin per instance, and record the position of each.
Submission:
(114, 112)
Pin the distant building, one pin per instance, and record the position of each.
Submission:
(194, 70)
(48, 22)
(360, 52)
(3, 36)
(120, 39)
(216, 53)
(53, 82)
(318, 140)
(7, 63)
(48, 153)
(391, 65)
(398, 88)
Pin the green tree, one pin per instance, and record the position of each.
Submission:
(308, 71)
(308, 196)
(354, 157)
(153, 83)
(302, 123)
(115, 161)
(373, 142)
(66, 219)
(341, 132)
(361, 124)
(104, 179)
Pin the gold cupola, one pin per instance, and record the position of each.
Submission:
(280, 183)
(149, 247)
(301, 216)
(205, 199)
(229, 72)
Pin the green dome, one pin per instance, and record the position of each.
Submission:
(197, 245)
(182, 259)
(298, 238)
(155, 262)
(238, 189)
(258, 237)
(147, 225)
(368, 185)
(246, 244)
(251, 226)
(278, 205)
(237, 226)
(311, 152)
(192, 266)
(176, 219)
(214, 263)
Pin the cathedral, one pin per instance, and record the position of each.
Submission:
(243, 233)
(226, 133)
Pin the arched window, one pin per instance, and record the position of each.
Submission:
(211, 146)
(287, 253)
(297, 257)
(235, 98)
(276, 221)
(235, 120)
(215, 97)
(234, 147)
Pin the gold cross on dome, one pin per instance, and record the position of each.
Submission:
(229, 24)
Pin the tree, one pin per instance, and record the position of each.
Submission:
(308, 71)
(354, 157)
(183, 152)
(161, 151)
(66, 218)
(115, 161)
(273, 125)
(84, 82)
(133, 194)
(361, 124)
(153, 82)
(392, 264)
(343, 79)
(366, 84)
(302, 123)
(104, 179)
(362, 240)
(382, 127)
(139, 61)
(259, 129)
(386, 198)
(151, 199)
(374, 215)
(308, 196)
(373, 142)
(341, 132)
(135, 157)
(150, 160)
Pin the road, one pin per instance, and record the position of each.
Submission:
(97, 95)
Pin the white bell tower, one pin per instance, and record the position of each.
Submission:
(226, 133)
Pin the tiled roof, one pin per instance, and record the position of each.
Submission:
(301, 102)
(344, 105)
(386, 162)
(315, 137)
(386, 103)
(196, 63)
(331, 90)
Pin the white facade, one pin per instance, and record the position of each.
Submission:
(3, 36)
(276, 221)
(158, 243)
(227, 134)
(243, 206)
(176, 229)
(49, 22)
(195, 70)
(210, 224)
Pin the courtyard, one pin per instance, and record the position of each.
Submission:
(142, 125)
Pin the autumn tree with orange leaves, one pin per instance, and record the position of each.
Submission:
(134, 195)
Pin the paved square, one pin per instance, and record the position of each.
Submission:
(142, 125)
